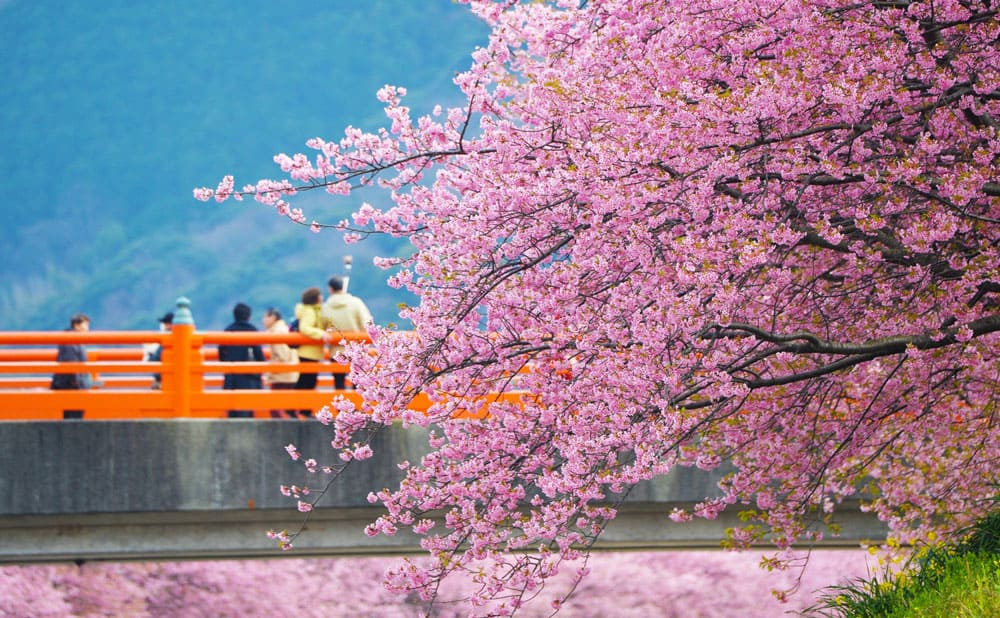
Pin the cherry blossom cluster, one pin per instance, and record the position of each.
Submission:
(758, 236)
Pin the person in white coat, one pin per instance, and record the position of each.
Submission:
(280, 353)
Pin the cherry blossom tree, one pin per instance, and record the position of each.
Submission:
(759, 234)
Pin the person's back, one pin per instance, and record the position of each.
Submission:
(343, 313)
(241, 354)
(307, 312)
(311, 324)
(154, 353)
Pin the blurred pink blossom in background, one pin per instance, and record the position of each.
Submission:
(621, 584)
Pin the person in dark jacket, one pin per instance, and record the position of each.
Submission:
(73, 353)
(240, 354)
(155, 352)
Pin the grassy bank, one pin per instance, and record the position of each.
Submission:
(961, 581)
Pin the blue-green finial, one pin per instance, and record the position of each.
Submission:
(182, 315)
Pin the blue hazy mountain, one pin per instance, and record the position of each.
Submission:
(112, 112)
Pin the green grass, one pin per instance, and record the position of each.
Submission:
(948, 582)
(968, 586)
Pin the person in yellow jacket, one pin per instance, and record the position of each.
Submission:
(311, 325)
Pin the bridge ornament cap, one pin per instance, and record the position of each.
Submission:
(182, 315)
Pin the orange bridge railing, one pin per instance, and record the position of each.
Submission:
(191, 375)
(191, 382)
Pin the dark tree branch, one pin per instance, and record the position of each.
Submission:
(808, 343)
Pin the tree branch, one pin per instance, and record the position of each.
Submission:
(807, 343)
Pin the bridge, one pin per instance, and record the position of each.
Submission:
(163, 475)
(206, 488)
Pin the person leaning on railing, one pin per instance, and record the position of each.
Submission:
(73, 353)
(154, 353)
(280, 353)
(311, 325)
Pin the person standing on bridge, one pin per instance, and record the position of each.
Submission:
(343, 313)
(240, 354)
(154, 353)
(73, 353)
(308, 313)
(280, 353)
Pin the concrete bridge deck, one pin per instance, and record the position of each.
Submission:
(200, 488)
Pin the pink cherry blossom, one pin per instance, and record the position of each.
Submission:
(758, 236)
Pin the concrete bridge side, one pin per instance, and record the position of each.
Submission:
(197, 488)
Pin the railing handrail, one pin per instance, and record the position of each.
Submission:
(125, 337)
(57, 337)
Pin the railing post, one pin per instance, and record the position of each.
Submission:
(182, 334)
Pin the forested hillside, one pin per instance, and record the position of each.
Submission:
(112, 113)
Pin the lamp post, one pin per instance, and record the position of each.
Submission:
(348, 260)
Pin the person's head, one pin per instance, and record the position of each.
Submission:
(166, 320)
(312, 296)
(79, 321)
(241, 312)
(271, 316)
(336, 284)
